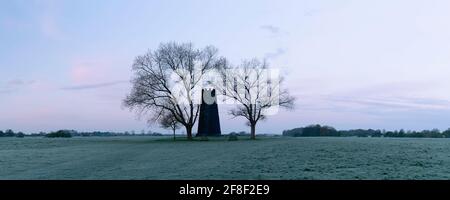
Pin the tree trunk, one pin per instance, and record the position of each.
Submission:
(253, 131)
(174, 138)
(189, 132)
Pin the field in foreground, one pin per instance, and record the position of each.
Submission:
(266, 158)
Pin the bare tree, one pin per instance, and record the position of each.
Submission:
(168, 121)
(255, 90)
(166, 81)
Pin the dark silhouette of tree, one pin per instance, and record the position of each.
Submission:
(157, 72)
(59, 134)
(20, 135)
(401, 133)
(312, 131)
(9, 133)
(254, 91)
(168, 121)
(446, 133)
(390, 134)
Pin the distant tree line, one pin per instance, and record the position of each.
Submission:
(11, 133)
(73, 133)
(328, 131)
(241, 133)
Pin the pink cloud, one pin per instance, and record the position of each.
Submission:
(97, 70)
(88, 71)
(82, 73)
(50, 28)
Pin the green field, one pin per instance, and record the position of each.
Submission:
(267, 158)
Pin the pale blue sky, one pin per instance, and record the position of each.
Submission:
(351, 63)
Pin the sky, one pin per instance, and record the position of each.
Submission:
(66, 64)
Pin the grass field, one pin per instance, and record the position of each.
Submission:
(267, 158)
